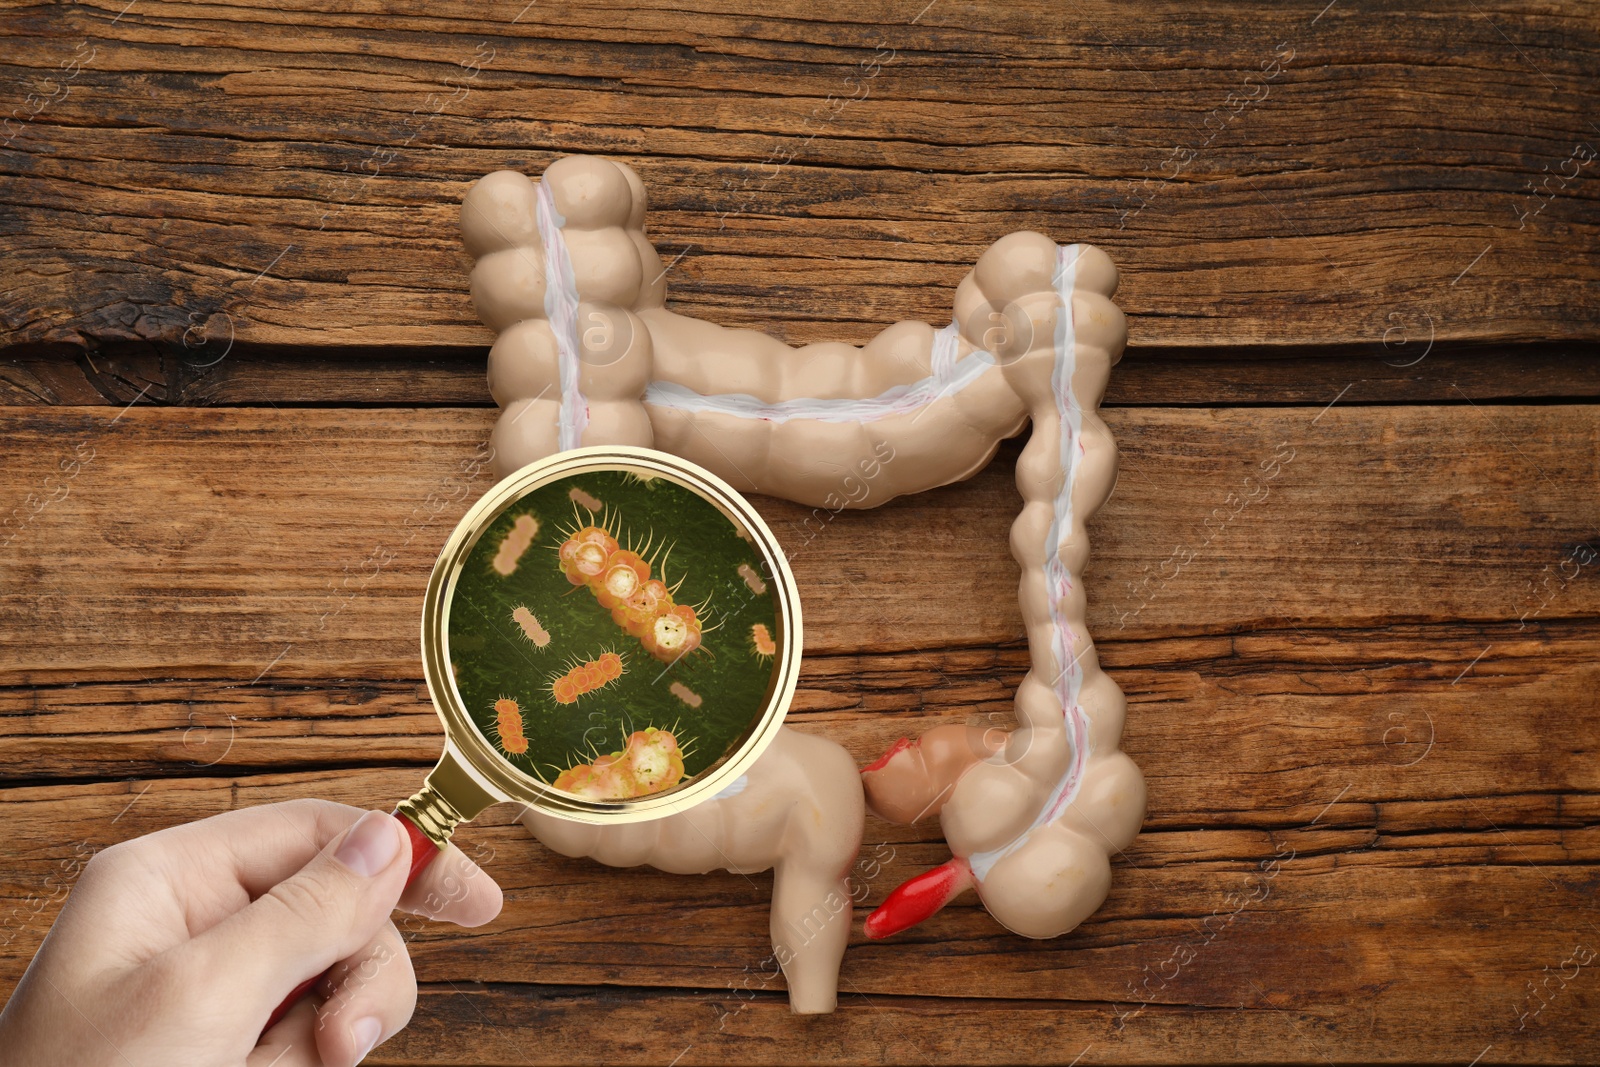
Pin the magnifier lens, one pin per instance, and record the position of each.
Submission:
(614, 633)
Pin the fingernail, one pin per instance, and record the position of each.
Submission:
(371, 844)
(365, 1032)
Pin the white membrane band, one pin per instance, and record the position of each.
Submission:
(561, 308)
(949, 375)
(1058, 580)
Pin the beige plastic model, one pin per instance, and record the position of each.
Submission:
(799, 812)
(587, 354)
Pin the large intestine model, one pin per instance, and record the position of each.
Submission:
(587, 354)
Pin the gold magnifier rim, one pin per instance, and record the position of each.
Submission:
(485, 765)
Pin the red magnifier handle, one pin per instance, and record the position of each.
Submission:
(423, 852)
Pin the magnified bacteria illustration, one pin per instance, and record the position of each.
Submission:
(569, 633)
(508, 724)
(620, 579)
(649, 761)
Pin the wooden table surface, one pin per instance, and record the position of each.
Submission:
(243, 387)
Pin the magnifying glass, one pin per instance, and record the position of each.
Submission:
(609, 635)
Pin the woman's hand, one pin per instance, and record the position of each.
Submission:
(176, 947)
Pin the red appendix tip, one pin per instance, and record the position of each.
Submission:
(919, 898)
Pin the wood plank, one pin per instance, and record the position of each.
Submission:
(1264, 175)
(255, 375)
(239, 544)
(244, 376)
(1405, 717)
(1350, 917)
(561, 1025)
(1433, 778)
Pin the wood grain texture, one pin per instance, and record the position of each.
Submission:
(1401, 716)
(219, 375)
(234, 543)
(1428, 787)
(1381, 894)
(1347, 578)
(1264, 174)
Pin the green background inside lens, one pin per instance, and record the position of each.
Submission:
(691, 540)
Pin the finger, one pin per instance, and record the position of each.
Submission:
(453, 889)
(290, 1043)
(321, 914)
(210, 868)
(263, 845)
(371, 997)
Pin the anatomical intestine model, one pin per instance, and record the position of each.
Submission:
(587, 354)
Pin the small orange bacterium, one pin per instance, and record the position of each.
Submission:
(514, 544)
(761, 638)
(531, 628)
(685, 694)
(752, 579)
(582, 499)
(508, 724)
(586, 677)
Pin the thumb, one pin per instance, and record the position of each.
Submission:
(325, 912)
